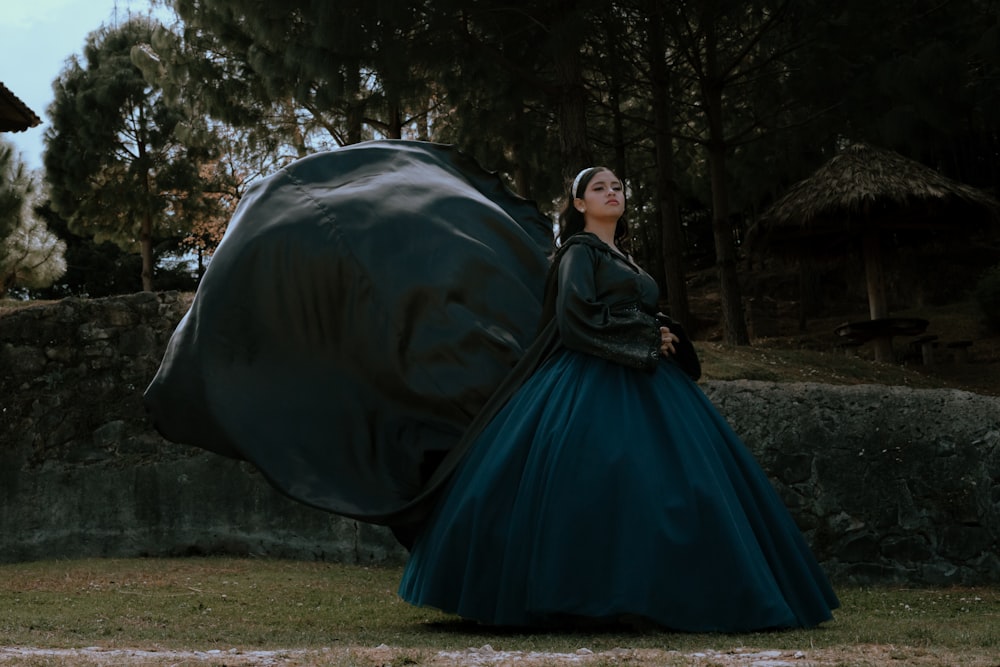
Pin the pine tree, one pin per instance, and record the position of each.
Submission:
(31, 256)
(118, 168)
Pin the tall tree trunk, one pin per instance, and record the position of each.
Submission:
(878, 303)
(146, 228)
(146, 249)
(570, 94)
(615, 74)
(668, 209)
(522, 183)
(806, 293)
(355, 113)
(573, 149)
(522, 173)
(733, 318)
(734, 326)
(295, 136)
(423, 126)
(395, 130)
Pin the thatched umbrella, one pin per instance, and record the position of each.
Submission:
(864, 197)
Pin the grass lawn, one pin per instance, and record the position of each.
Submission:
(232, 612)
(223, 611)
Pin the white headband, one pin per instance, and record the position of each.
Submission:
(576, 182)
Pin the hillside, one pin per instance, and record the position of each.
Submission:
(816, 354)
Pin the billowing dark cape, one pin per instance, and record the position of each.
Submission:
(367, 313)
(362, 307)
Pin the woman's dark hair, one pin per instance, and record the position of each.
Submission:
(571, 220)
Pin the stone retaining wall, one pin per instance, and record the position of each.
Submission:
(889, 484)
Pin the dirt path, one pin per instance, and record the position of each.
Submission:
(485, 656)
(383, 655)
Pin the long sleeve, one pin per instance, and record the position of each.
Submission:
(599, 309)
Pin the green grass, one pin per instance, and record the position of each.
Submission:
(329, 614)
(205, 604)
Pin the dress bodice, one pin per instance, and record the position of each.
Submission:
(606, 304)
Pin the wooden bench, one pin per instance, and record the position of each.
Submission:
(880, 332)
(922, 347)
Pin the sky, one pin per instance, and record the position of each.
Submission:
(36, 39)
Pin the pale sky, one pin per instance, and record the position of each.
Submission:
(36, 38)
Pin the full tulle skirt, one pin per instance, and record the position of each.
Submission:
(604, 492)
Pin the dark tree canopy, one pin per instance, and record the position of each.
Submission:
(710, 109)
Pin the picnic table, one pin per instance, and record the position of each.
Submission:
(880, 332)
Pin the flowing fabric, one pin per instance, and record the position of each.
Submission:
(362, 307)
(602, 491)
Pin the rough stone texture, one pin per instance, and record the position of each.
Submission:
(889, 484)
(82, 472)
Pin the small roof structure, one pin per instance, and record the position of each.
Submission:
(15, 116)
(861, 198)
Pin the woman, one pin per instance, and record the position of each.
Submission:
(606, 485)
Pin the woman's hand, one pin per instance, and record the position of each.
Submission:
(667, 341)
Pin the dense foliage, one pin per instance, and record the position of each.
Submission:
(31, 255)
(117, 168)
(709, 108)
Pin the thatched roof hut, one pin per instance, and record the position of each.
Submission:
(15, 116)
(864, 197)
(864, 187)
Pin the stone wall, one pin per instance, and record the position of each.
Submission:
(889, 484)
(82, 473)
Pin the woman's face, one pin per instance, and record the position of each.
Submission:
(604, 197)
